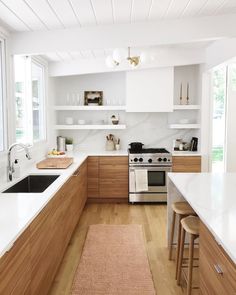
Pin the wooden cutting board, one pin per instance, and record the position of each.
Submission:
(54, 163)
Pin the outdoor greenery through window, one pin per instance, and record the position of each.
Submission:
(1, 99)
(30, 96)
(219, 118)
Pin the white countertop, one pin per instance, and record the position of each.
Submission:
(213, 197)
(17, 210)
(185, 153)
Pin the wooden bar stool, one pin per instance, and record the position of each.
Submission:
(182, 209)
(189, 225)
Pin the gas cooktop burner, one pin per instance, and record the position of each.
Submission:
(149, 151)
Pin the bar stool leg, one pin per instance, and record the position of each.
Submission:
(178, 245)
(190, 266)
(172, 235)
(181, 253)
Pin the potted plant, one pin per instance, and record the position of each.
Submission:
(69, 144)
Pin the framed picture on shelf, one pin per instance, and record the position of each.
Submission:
(94, 98)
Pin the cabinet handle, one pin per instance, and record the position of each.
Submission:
(76, 173)
(218, 269)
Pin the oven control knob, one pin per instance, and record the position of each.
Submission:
(140, 159)
(135, 159)
(164, 159)
(159, 159)
(149, 160)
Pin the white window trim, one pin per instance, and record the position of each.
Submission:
(44, 65)
(4, 94)
(41, 62)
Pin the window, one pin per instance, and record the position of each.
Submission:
(219, 119)
(30, 96)
(1, 97)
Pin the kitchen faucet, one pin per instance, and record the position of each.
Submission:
(10, 167)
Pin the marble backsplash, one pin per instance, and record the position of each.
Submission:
(149, 128)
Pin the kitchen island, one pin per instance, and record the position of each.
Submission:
(213, 198)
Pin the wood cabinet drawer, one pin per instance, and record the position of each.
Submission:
(217, 271)
(120, 160)
(186, 164)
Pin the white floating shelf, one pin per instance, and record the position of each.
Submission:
(90, 108)
(90, 127)
(187, 107)
(184, 126)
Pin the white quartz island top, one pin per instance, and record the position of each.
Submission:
(17, 210)
(213, 197)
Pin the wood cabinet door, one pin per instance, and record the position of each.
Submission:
(93, 175)
(216, 269)
(113, 177)
(15, 270)
(186, 164)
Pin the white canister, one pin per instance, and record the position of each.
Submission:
(110, 145)
(69, 120)
(117, 147)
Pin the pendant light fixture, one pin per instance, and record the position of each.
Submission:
(119, 55)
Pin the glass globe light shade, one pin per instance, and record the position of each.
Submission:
(110, 62)
(144, 57)
(119, 54)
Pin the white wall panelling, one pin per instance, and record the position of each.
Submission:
(43, 15)
(164, 57)
(156, 33)
(150, 90)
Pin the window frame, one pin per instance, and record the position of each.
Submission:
(3, 77)
(43, 65)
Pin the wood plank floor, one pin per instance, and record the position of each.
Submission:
(153, 219)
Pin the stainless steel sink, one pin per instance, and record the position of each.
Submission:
(32, 184)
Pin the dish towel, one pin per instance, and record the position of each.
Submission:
(141, 180)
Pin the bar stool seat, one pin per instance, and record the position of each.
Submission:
(182, 209)
(189, 225)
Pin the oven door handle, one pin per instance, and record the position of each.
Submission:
(157, 169)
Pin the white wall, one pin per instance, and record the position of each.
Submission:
(151, 129)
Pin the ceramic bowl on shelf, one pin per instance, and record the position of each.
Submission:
(81, 122)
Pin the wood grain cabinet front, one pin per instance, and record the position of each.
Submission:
(217, 271)
(113, 177)
(30, 266)
(93, 177)
(52, 229)
(15, 267)
(186, 164)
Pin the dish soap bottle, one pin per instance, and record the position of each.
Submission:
(16, 173)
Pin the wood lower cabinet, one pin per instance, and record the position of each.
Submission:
(216, 269)
(186, 164)
(93, 177)
(31, 264)
(15, 267)
(113, 177)
(52, 229)
(108, 177)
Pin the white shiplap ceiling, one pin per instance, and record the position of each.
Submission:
(33, 15)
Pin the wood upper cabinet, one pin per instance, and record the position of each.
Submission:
(217, 271)
(93, 177)
(15, 272)
(150, 90)
(113, 177)
(186, 164)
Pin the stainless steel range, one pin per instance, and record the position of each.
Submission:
(148, 168)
